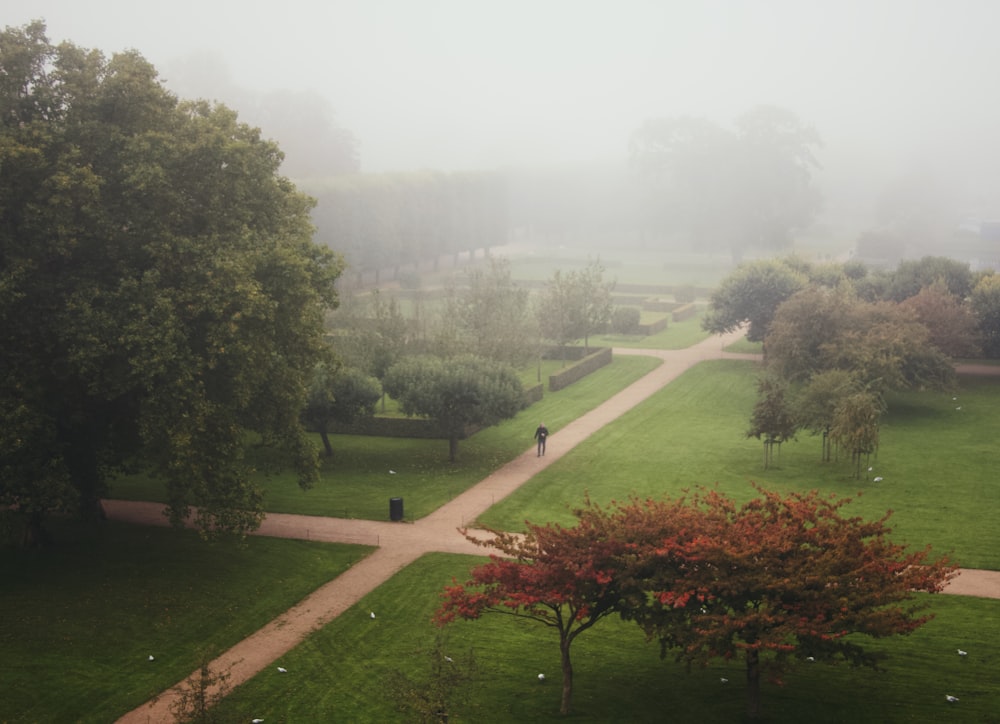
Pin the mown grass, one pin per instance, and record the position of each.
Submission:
(341, 672)
(937, 462)
(356, 482)
(81, 619)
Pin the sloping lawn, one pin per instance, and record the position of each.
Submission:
(79, 621)
(938, 463)
(343, 672)
(357, 483)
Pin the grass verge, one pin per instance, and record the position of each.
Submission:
(340, 672)
(81, 619)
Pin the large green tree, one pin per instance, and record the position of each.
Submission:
(751, 295)
(161, 295)
(458, 393)
(730, 189)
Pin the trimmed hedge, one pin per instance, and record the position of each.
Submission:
(653, 327)
(685, 312)
(581, 369)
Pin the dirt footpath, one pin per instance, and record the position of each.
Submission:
(399, 544)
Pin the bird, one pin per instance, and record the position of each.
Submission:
(282, 670)
(373, 614)
(256, 721)
(963, 653)
(877, 479)
(951, 699)
(541, 677)
(810, 658)
(151, 657)
(449, 659)
(723, 679)
(959, 407)
(392, 472)
(870, 468)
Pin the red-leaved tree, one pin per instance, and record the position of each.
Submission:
(561, 577)
(787, 575)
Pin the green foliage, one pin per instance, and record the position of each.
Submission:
(911, 276)
(458, 393)
(986, 304)
(575, 305)
(752, 295)
(489, 316)
(772, 418)
(161, 290)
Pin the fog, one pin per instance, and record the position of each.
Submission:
(894, 87)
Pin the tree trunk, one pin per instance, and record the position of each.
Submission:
(452, 447)
(566, 702)
(753, 683)
(327, 447)
(34, 534)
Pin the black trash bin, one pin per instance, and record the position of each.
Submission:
(395, 508)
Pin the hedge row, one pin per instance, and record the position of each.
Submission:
(685, 312)
(581, 369)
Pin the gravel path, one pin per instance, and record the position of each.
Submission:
(399, 544)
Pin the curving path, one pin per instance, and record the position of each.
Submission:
(399, 544)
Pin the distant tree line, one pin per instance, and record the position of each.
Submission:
(389, 221)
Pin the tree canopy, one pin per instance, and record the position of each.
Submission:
(731, 190)
(459, 393)
(162, 297)
(777, 580)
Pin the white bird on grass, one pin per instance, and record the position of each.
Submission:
(541, 677)
(449, 659)
(373, 614)
(723, 679)
(877, 479)
(392, 472)
(810, 658)
(282, 670)
(951, 699)
(151, 657)
(963, 653)
(256, 721)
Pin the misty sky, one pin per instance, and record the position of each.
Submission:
(459, 84)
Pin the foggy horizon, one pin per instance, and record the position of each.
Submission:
(893, 87)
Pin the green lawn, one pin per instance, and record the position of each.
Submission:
(938, 463)
(341, 672)
(356, 482)
(81, 619)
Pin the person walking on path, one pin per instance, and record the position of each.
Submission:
(540, 434)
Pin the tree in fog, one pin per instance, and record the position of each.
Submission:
(458, 393)
(985, 301)
(751, 295)
(339, 394)
(575, 304)
(162, 297)
(949, 319)
(772, 420)
(730, 190)
(489, 315)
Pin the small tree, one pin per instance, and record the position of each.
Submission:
(341, 394)
(560, 577)
(855, 425)
(816, 404)
(457, 393)
(431, 699)
(575, 305)
(772, 419)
